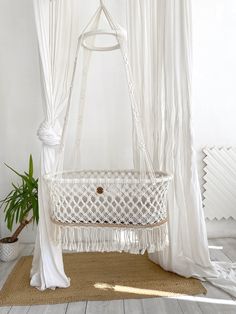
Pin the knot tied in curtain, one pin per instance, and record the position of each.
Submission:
(50, 134)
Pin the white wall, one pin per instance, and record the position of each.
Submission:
(214, 78)
(20, 93)
(214, 92)
(214, 110)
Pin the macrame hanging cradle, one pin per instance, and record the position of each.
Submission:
(107, 210)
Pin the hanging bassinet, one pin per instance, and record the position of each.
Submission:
(108, 210)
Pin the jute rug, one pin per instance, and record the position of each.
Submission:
(99, 276)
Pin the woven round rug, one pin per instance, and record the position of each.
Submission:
(99, 276)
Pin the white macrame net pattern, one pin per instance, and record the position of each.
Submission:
(108, 210)
(108, 198)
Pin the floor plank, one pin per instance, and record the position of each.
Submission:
(218, 254)
(19, 309)
(217, 301)
(76, 308)
(48, 309)
(133, 306)
(105, 307)
(161, 306)
(5, 309)
(152, 306)
(190, 306)
(229, 247)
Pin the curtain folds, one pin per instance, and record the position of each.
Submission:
(56, 24)
(159, 34)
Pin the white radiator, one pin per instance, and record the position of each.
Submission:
(219, 197)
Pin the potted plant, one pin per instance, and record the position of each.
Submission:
(20, 207)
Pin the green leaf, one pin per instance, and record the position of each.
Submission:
(31, 167)
(12, 169)
(17, 215)
(15, 186)
(6, 199)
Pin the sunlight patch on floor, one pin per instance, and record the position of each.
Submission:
(204, 300)
(215, 247)
(159, 293)
(133, 290)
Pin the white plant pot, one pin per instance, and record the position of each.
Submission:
(9, 251)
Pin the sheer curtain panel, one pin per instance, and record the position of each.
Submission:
(160, 44)
(57, 29)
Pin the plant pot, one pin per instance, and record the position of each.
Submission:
(9, 251)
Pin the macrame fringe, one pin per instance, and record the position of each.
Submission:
(112, 239)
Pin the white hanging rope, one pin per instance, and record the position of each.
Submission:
(121, 38)
(93, 21)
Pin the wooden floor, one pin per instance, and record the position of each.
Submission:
(216, 301)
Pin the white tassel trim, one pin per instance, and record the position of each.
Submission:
(112, 239)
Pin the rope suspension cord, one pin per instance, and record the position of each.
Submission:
(116, 31)
(94, 22)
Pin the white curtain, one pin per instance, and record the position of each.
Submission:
(56, 23)
(159, 32)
